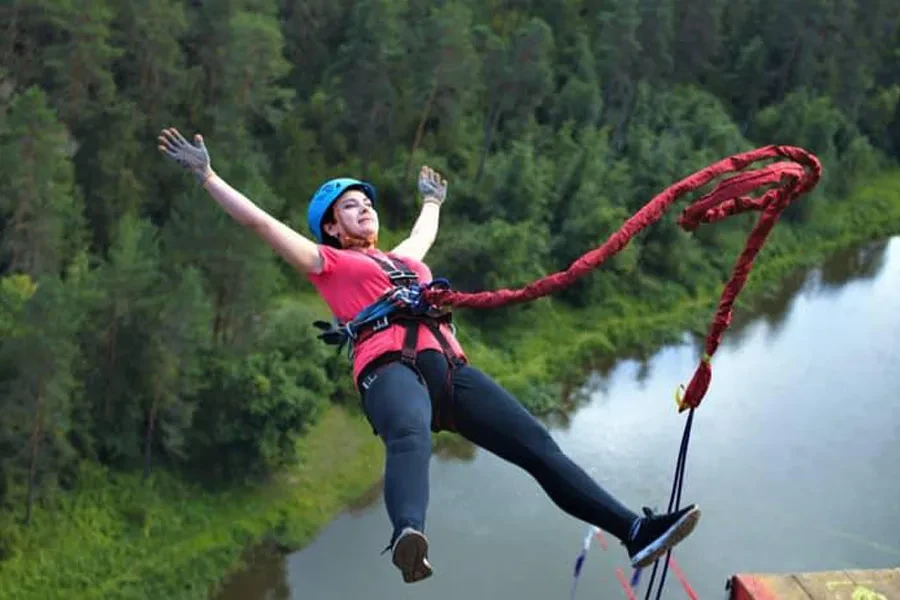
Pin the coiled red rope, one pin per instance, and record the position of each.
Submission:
(792, 178)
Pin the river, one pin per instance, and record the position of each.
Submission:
(794, 459)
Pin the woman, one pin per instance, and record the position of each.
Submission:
(413, 376)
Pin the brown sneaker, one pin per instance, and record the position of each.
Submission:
(411, 555)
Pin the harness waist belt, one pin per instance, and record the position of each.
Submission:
(402, 305)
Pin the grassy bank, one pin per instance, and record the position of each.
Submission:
(119, 537)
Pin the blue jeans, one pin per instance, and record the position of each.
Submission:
(401, 403)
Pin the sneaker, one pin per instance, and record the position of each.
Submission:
(657, 534)
(411, 555)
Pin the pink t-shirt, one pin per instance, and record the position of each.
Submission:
(350, 281)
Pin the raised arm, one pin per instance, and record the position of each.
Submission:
(299, 251)
(434, 191)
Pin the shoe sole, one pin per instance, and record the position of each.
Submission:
(410, 557)
(673, 535)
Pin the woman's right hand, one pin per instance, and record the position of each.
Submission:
(298, 251)
(192, 157)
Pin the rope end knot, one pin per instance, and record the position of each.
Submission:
(697, 388)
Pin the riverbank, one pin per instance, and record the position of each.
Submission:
(116, 536)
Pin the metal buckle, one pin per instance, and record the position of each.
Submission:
(397, 275)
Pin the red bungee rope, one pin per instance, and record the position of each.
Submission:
(729, 197)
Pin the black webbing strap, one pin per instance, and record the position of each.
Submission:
(400, 274)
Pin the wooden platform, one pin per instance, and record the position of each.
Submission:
(882, 584)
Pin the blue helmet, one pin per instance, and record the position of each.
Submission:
(325, 196)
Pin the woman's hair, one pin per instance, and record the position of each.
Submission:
(328, 219)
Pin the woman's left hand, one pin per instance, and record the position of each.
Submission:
(432, 186)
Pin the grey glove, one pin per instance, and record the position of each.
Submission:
(193, 157)
(432, 186)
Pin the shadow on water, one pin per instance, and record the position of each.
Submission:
(453, 447)
(857, 264)
(263, 577)
(850, 265)
(368, 499)
(595, 382)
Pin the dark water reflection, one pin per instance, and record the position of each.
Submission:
(265, 577)
(855, 264)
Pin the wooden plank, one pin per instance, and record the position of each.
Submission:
(767, 587)
(881, 584)
(875, 584)
(827, 585)
(786, 587)
(749, 587)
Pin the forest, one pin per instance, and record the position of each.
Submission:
(141, 329)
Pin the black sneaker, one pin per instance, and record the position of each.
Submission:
(410, 555)
(656, 534)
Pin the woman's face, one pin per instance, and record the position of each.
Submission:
(354, 217)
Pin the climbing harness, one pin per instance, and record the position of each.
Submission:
(404, 304)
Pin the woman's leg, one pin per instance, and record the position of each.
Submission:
(399, 409)
(488, 415)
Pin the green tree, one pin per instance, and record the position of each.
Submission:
(812, 121)
(517, 76)
(258, 403)
(151, 67)
(38, 199)
(78, 56)
(616, 51)
(255, 67)
(108, 166)
(442, 75)
(240, 272)
(671, 135)
(178, 335)
(116, 343)
(38, 365)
